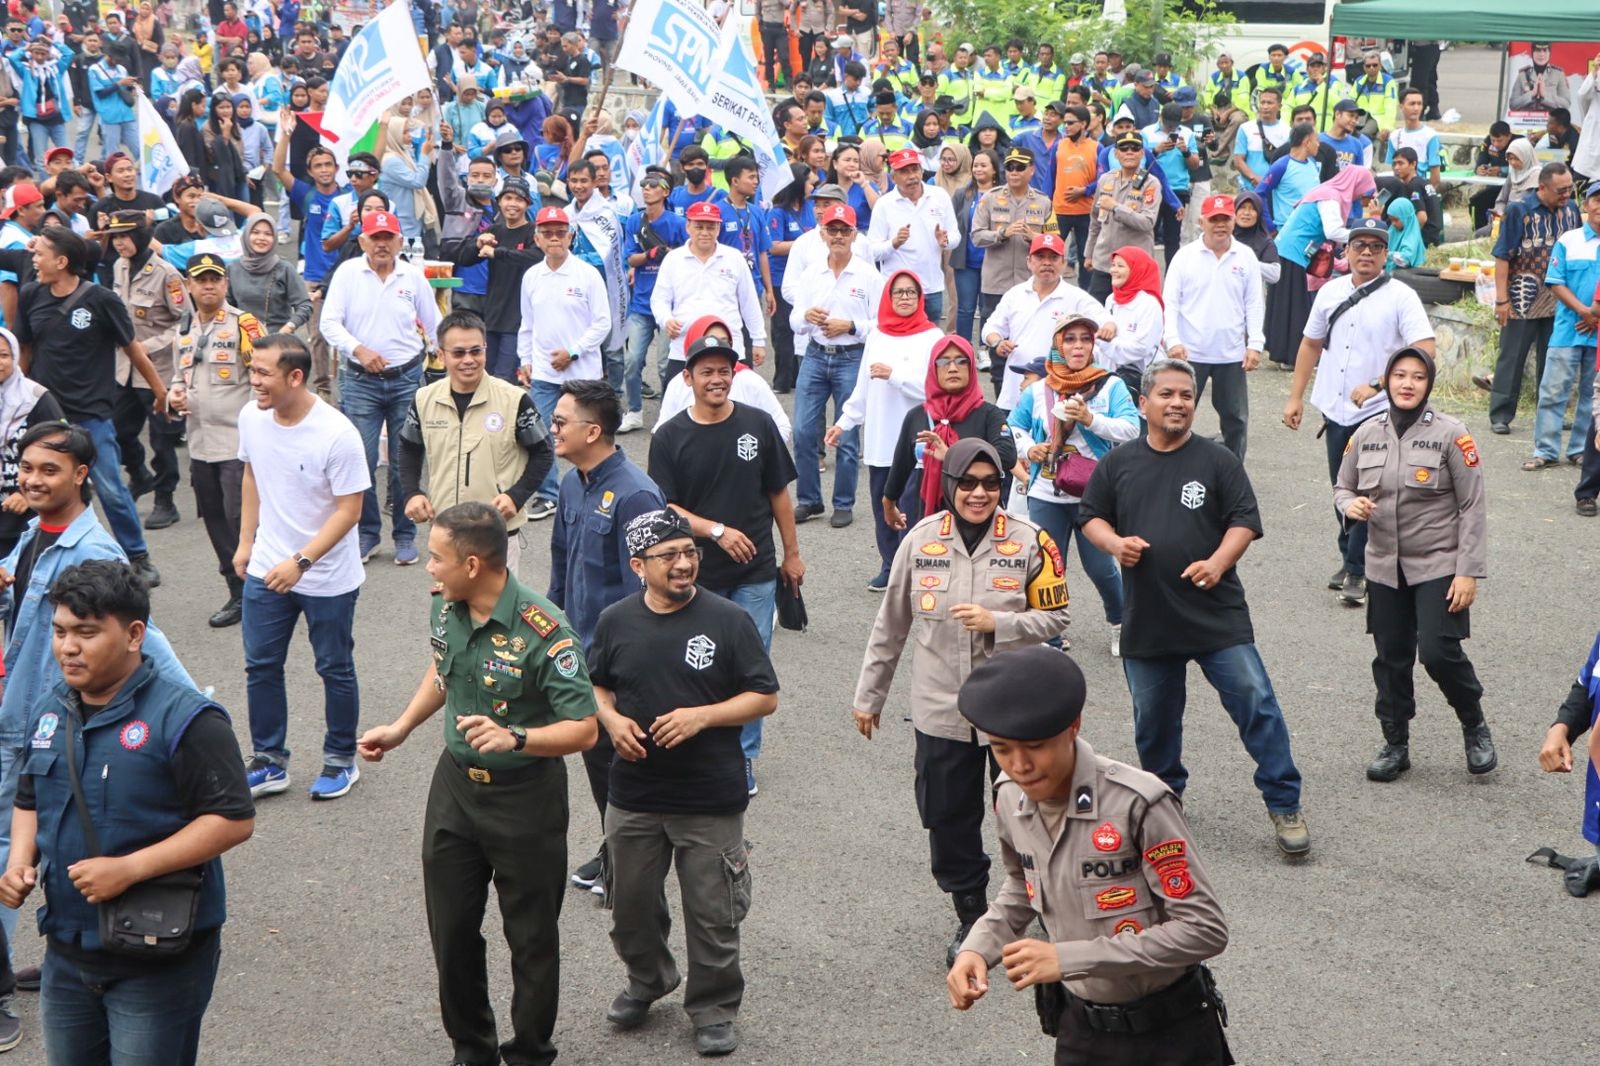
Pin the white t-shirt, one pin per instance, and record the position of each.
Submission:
(299, 471)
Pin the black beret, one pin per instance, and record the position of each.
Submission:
(1032, 694)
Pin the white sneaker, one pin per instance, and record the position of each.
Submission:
(631, 421)
(1116, 641)
(983, 359)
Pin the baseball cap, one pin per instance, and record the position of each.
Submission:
(58, 150)
(1023, 92)
(517, 187)
(22, 194)
(554, 216)
(1144, 77)
(704, 211)
(1078, 59)
(217, 220)
(1073, 319)
(905, 157)
(1162, 59)
(828, 191)
(1058, 106)
(1371, 228)
(844, 41)
(374, 222)
(1317, 57)
(1212, 206)
(710, 346)
(1185, 96)
(1347, 104)
(837, 213)
(965, 46)
(1130, 140)
(1047, 242)
(206, 263)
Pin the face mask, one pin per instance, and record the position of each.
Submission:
(480, 192)
(695, 176)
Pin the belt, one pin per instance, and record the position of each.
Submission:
(1195, 991)
(482, 775)
(388, 372)
(838, 349)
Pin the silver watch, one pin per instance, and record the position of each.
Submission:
(718, 530)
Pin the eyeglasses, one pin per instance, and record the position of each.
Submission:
(946, 361)
(560, 422)
(465, 353)
(1017, 168)
(905, 294)
(990, 483)
(672, 555)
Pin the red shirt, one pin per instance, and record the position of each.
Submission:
(236, 28)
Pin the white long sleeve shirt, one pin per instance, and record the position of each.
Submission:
(1138, 340)
(810, 248)
(921, 253)
(853, 294)
(1586, 115)
(748, 388)
(688, 288)
(395, 316)
(1030, 321)
(880, 404)
(563, 308)
(1214, 304)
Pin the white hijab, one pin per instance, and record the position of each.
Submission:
(17, 394)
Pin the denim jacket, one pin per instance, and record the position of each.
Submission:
(31, 667)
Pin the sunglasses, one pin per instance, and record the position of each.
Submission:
(944, 362)
(1016, 168)
(990, 483)
(655, 183)
(475, 352)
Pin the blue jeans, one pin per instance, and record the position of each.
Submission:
(371, 402)
(641, 331)
(613, 363)
(41, 137)
(933, 305)
(1563, 366)
(503, 362)
(118, 134)
(823, 377)
(909, 503)
(1060, 520)
(93, 1019)
(11, 753)
(545, 394)
(969, 282)
(86, 123)
(121, 513)
(760, 601)
(269, 619)
(1240, 678)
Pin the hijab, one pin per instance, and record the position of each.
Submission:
(189, 70)
(631, 135)
(1344, 188)
(1404, 420)
(872, 152)
(259, 65)
(241, 99)
(1143, 275)
(700, 327)
(258, 262)
(920, 139)
(1256, 237)
(944, 409)
(1406, 247)
(954, 182)
(1524, 178)
(17, 394)
(140, 235)
(1063, 380)
(892, 322)
(962, 456)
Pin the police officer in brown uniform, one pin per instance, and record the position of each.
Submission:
(1101, 854)
(980, 581)
(154, 292)
(1413, 475)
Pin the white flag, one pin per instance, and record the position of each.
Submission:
(382, 65)
(160, 161)
(673, 43)
(738, 104)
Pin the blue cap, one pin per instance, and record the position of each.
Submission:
(1184, 94)
(1375, 226)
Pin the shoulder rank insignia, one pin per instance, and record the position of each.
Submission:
(541, 622)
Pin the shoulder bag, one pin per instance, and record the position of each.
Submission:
(1072, 467)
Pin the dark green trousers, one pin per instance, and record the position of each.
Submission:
(516, 834)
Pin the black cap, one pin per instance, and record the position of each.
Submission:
(1162, 59)
(1032, 694)
(206, 263)
(1317, 57)
(517, 187)
(1369, 227)
(1347, 104)
(710, 346)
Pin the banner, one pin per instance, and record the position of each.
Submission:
(738, 104)
(1541, 76)
(160, 161)
(647, 149)
(674, 44)
(381, 66)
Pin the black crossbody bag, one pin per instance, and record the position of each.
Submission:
(153, 919)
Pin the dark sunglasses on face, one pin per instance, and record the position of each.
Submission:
(990, 483)
(1016, 168)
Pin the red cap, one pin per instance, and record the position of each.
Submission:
(838, 213)
(21, 194)
(905, 157)
(1213, 206)
(704, 211)
(52, 153)
(552, 216)
(1048, 242)
(379, 222)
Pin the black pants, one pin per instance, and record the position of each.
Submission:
(1197, 1040)
(1169, 227)
(597, 767)
(1230, 399)
(1480, 203)
(10, 129)
(515, 834)
(785, 361)
(1075, 228)
(987, 302)
(1408, 623)
(950, 778)
(217, 490)
(1589, 480)
(130, 415)
(775, 44)
(1515, 338)
(1099, 286)
(1424, 57)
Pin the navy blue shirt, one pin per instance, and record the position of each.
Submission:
(589, 568)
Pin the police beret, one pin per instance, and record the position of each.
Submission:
(1032, 694)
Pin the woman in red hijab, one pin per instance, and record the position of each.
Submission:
(1130, 336)
(954, 409)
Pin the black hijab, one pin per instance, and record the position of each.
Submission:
(957, 461)
(1256, 238)
(1404, 420)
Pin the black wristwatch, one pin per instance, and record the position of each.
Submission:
(519, 737)
(302, 562)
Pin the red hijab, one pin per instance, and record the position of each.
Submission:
(1143, 275)
(892, 322)
(699, 327)
(944, 409)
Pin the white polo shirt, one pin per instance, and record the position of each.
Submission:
(563, 308)
(1215, 307)
(687, 289)
(854, 294)
(1388, 319)
(394, 316)
(921, 253)
(1029, 320)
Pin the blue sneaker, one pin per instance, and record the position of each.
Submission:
(369, 548)
(334, 781)
(750, 777)
(264, 776)
(405, 553)
(880, 582)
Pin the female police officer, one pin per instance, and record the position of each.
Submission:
(981, 581)
(1412, 475)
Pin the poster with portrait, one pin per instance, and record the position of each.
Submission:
(1541, 75)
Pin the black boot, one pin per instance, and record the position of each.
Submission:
(164, 514)
(1394, 758)
(145, 569)
(230, 612)
(1481, 757)
(970, 906)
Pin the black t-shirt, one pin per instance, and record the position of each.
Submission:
(705, 652)
(101, 210)
(724, 472)
(1423, 198)
(575, 94)
(74, 355)
(43, 538)
(1182, 503)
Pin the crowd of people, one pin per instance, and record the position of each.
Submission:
(960, 289)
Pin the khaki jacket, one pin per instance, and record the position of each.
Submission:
(1431, 517)
(1016, 572)
(475, 456)
(214, 369)
(157, 300)
(1005, 259)
(1131, 221)
(1120, 890)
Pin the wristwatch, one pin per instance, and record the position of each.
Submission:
(1376, 383)
(302, 562)
(519, 737)
(718, 530)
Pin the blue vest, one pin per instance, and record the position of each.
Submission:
(1591, 783)
(122, 764)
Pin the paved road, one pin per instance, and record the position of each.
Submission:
(1413, 934)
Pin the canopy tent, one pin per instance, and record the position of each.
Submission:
(1469, 20)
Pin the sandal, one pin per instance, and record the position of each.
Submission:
(1539, 463)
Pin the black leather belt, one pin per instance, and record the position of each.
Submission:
(482, 775)
(388, 372)
(838, 349)
(1188, 995)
